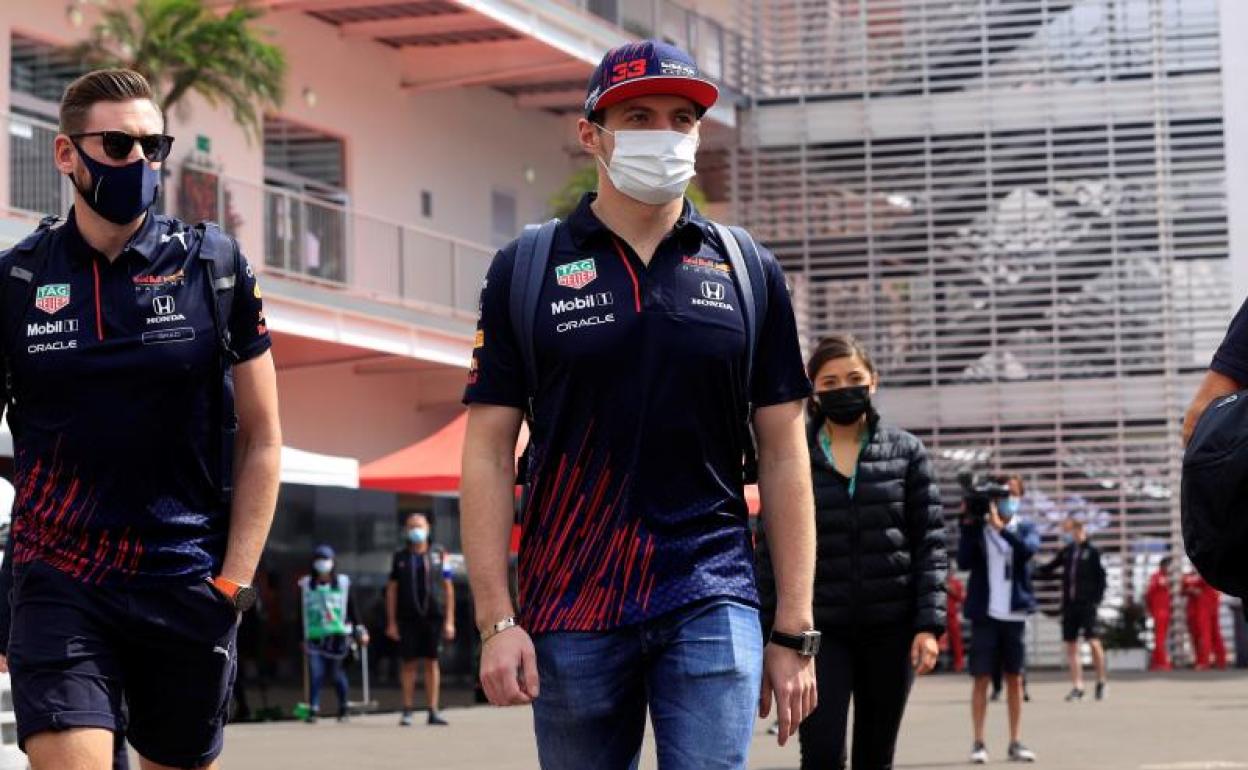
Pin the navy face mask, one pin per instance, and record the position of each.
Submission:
(120, 194)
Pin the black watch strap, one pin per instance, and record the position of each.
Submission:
(806, 643)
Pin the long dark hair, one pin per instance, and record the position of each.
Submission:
(830, 349)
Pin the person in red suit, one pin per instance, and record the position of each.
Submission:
(1193, 586)
(1210, 603)
(952, 640)
(1158, 600)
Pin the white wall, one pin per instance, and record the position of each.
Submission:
(339, 410)
(460, 144)
(1233, 21)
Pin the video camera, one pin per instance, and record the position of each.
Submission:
(978, 493)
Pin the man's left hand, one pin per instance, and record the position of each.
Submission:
(924, 652)
(791, 679)
(448, 632)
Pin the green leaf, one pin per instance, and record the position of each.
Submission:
(184, 47)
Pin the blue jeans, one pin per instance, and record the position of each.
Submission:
(325, 663)
(698, 670)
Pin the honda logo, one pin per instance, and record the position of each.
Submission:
(163, 305)
(712, 290)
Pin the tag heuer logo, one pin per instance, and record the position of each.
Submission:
(52, 298)
(576, 275)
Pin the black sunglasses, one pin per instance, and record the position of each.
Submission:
(118, 144)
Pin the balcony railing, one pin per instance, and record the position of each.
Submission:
(296, 236)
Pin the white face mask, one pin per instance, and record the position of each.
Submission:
(652, 166)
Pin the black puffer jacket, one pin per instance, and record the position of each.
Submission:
(880, 558)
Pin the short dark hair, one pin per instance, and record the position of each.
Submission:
(111, 85)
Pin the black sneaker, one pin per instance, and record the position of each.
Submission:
(996, 695)
(1020, 753)
(311, 719)
(406, 719)
(436, 719)
(774, 729)
(1076, 694)
(344, 717)
(1100, 691)
(979, 754)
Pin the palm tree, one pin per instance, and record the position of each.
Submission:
(182, 46)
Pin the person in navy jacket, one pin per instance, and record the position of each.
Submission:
(997, 547)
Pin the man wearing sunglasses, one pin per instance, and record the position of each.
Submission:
(140, 513)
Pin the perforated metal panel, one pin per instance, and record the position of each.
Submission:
(1019, 206)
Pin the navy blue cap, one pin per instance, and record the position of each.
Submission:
(323, 552)
(644, 69)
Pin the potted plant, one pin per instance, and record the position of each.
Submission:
(1124, 640)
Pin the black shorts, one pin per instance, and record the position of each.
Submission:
(77, 651)
(420, 638)
(1080, 620)
(997, 644)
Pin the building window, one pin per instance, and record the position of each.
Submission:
(503, 217)
(38, 74)
(305, 201)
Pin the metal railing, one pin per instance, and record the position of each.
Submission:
(299, 236)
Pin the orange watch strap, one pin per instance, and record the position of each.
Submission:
(226, 586)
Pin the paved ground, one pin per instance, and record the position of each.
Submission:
(1184, 721)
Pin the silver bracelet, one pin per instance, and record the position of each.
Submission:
(499, 627)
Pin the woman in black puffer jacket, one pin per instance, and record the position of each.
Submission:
(881, 564)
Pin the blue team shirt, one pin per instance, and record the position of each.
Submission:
(637, 506)
(113, 395)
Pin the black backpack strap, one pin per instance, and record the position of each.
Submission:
(532, 258)
(216, 250)
(527, 274)
(22, 278)
(747, 270)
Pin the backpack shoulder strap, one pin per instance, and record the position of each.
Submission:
(216, 250)
(532, 258)
(747, 270)
(23, 266)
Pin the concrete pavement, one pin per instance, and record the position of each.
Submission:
(1182, 721)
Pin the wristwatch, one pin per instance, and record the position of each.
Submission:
(242, 597)
(806, 643)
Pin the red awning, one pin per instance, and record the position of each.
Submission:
(430, 465)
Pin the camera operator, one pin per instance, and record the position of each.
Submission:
(997, 547)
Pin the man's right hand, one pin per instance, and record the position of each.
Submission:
(392, 631)
(509, 668)
(4, 664)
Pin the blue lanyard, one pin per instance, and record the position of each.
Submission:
(825, 443)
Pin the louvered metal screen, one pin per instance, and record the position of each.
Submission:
(1019, 206)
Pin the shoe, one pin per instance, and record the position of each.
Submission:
(1075, 694)
(343, 718)
(1026, 697)
(996, 696)
(436, 719)
(1020, 753)
(774, 729)
(979, 754)
(311, 719)
(1100, 691)
(406, 719)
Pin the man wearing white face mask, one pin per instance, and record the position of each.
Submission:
(636, 575)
